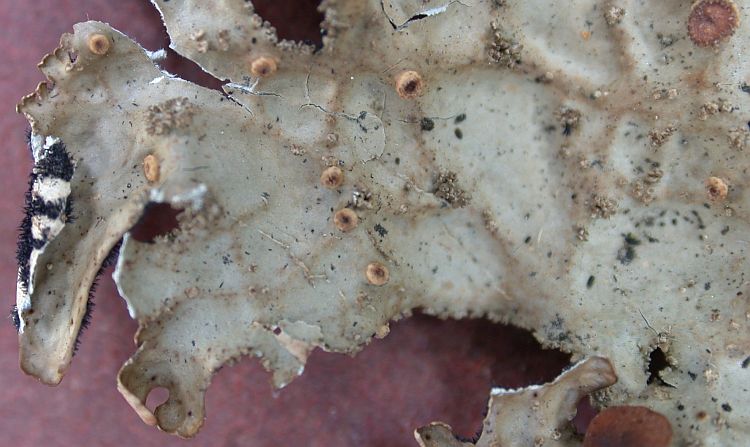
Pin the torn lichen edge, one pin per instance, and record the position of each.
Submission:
(116, 275)
(529, 416)
(423, 14)
(192, 198)
(266, 32)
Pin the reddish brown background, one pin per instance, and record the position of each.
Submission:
(425, 370)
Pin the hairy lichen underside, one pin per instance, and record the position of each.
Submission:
(578, 170)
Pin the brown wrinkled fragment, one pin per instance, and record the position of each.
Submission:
(626, 426)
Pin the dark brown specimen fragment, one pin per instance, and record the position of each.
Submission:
(628, 426)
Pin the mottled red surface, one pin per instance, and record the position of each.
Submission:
(628, 426)
(712, 21)
(425, 370)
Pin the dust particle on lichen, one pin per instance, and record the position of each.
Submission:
(176, 113)
(446, 188)
(626, 253)
(568, 119)
(590, 281)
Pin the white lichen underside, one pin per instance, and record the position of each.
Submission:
(603, 242)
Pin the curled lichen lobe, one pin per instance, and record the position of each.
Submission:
(712, 21)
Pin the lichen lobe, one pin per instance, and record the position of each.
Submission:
(499, 175)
